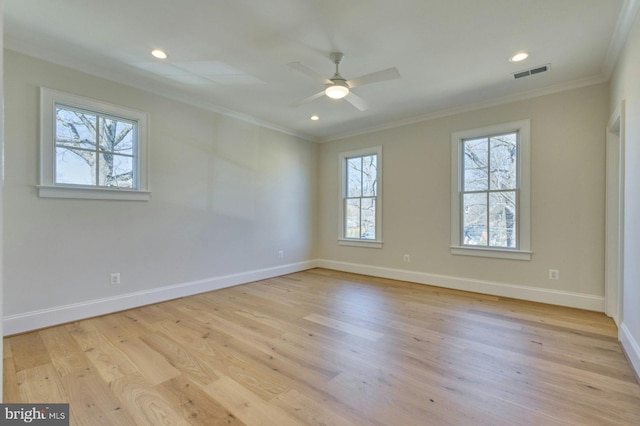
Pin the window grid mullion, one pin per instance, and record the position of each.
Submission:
(488, 191)
(361, 195)
(97, 150)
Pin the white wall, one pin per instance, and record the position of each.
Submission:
(567, 199)
(1, 192)
(625, 86)
(227, 195)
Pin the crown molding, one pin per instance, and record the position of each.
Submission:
(140, 83)
(627, 16)
(563, 87)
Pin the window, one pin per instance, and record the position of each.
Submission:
(91, 149)
(490, 192)
(360, 204)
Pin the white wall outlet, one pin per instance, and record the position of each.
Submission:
(280, 254)
(115, 278)
(406, 258)
(554, 274)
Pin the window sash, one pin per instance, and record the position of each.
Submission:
(361, 198)
(488, 192)
(521, 198)
(97, 147)
(132, 157)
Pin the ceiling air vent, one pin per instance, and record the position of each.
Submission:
(532, 71)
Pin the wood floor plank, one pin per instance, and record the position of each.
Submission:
(330, 348)
(91, 402)
(110, 362)
(247, 406)
(152, 365)
(6, 350)
(196, 405)
(85, 334)
(40, 384)
(10, 385)
(188, 364)
(144, 404)
(342, 326)
(29, 351)
(309, 411)
(66, 355)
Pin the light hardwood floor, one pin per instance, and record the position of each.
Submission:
(328, 348)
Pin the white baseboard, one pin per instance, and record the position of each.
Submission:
(534, 294)
(58, 315)
(631, 347)
(34, 320)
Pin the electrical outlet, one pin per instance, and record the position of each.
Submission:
(406, 258)
(280, 254)
(115, 278)
(554, 274)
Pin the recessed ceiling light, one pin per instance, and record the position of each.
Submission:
(315, 117)
(157, 53)
(520, 56)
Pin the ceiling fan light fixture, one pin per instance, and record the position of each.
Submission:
(336, 91)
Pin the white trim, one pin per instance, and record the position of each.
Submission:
(92, 193)
(360, 243)
(34, 320)
(627, 15)
(489, 103)
(523, 252)
(532, 294)
(491, 252)
(48, 188)
(614, 214)
(28, 321)
(631, 347)
(140, 83)
(342, 240)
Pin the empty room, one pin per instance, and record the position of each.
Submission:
(320, 212)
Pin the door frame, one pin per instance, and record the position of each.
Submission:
(614, 214)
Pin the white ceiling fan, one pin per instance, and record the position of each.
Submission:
(337, 87)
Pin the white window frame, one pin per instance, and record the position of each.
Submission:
(48, 188)
(523, 213)
(360, 242)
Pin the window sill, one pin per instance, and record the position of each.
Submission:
(92, 193)
(491, 252)
(360, 243)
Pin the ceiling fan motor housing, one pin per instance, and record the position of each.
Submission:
(339, 89)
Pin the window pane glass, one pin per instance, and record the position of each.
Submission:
(354, 177)
(475, 219)
(368, 219)
(503, 161)
(502, 219)
(369, 175)
(353, 218)
(75, 129)
(116, 136)
(476, 164)
(115, 171)
(75, 166)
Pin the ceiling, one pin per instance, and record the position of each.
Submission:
(231, 56)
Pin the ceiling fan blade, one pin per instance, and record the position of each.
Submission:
(308, 99)
(375, 77)
(309, 72)
(356, 101)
